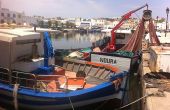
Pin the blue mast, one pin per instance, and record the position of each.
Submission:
(48, 49)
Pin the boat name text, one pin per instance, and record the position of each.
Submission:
(108, 60)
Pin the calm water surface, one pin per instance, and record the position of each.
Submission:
(75, 40)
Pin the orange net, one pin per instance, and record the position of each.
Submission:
(135, 42)
(152, 32)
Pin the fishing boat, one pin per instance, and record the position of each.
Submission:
(119, 38)
(30, 80)
(122, 37)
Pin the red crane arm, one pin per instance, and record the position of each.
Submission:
(124, 17)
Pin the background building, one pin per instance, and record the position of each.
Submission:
(7, 16)
(12, 17)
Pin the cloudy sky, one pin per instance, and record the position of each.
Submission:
(84, 8)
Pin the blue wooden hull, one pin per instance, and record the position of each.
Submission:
(31, 99)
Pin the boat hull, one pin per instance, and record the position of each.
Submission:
(32, 99)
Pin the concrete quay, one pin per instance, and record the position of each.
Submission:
(155, 78)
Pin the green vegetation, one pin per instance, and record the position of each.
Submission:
(70, 25)
(55, 24)
(161, 20)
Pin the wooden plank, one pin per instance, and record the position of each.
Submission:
(89, 70)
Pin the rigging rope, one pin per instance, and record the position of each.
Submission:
(147, 95)
(15, 95)
(138, 17)
(71, 103)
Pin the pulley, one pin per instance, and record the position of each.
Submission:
(147, 15)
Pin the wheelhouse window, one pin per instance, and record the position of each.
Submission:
(120, 36)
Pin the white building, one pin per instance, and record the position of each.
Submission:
(77, 22)
(161, 26)
(29, 20)
(98, 22)
(7, 16)
(85, 25)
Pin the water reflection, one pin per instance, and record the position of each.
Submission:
(75, 40)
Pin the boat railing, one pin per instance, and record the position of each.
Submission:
(4, 75)
(26, 80)
(45, 83)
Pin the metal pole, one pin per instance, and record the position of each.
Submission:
(156, 22)
(167, 12)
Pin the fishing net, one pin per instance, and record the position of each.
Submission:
(124, 53)
(159, 80)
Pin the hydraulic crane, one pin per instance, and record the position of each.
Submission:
(112, 44)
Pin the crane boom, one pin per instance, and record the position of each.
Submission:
(111, 46)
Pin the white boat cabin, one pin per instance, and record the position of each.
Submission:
(20, 50)
(123, 36)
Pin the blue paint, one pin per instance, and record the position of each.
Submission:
(48, 48)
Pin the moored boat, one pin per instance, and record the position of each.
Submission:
(29, 81)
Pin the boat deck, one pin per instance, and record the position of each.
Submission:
(70, 76)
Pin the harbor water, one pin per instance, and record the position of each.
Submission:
(74, 40)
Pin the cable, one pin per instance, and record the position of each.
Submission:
(138, 16)
(147, 95)
(71, 103)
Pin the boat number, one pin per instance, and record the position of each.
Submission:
(107, 60)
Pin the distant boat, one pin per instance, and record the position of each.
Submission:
(26, 83)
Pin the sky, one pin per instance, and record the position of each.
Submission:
(85, 8)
